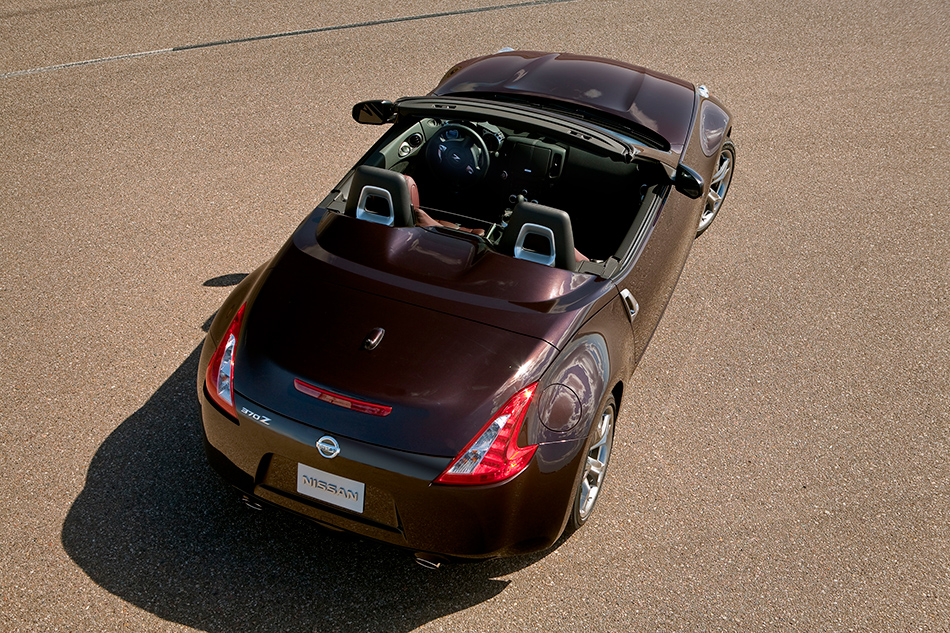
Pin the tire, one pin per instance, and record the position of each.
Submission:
(595, 467)
(718, 185)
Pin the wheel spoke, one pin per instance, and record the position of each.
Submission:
(718, 186)
(599, 443)
(596, 466)
(720, 174)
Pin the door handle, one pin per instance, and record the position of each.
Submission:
(633, 308)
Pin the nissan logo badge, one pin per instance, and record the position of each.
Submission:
(328, 447)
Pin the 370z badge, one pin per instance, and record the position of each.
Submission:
(263, 419)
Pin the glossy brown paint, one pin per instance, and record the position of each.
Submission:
(521, 515)
(465, 328)
(451, 272)
(659, 102)
(517, 516)
(572, 386)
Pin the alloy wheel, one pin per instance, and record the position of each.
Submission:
(718, 186)
(595, 467)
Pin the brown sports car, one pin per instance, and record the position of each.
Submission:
(436, 357)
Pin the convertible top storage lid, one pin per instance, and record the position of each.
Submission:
(449, 272)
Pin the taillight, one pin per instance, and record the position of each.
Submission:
(353, 404)
(220, 377)
(494, 454)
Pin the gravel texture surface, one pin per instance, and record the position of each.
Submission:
(783, 455)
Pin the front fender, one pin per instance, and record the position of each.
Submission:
(712, 125)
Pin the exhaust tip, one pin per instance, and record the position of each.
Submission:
(428, 560)
(251, 503)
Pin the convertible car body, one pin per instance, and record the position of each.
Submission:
(437, 356)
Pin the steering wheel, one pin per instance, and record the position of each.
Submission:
(458, 154)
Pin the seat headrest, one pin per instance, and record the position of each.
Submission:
(382, 196)
(540, 234)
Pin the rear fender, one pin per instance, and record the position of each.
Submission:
(573, 389)
(221, 319)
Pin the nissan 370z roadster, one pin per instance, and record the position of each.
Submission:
(437, 356)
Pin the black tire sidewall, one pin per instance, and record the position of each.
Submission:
(576, 522)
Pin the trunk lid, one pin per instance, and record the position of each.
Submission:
(455, 345)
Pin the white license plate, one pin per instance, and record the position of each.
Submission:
(330, 488)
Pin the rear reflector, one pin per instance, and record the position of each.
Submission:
(342, 401)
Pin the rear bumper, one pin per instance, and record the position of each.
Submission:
(401, 505)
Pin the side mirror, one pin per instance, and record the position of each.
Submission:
(374, 112)
(688, 182)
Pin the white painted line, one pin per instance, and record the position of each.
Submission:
(85, 62)
(258, 38)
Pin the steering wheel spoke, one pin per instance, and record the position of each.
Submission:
(459, 155)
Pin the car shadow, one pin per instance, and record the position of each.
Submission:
(155, 526)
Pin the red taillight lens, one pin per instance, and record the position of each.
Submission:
(220, 377)
(494, 454)
(342, 401)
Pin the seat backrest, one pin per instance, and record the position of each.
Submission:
(539, 234)
(381, 196)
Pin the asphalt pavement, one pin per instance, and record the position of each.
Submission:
(783, 455)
